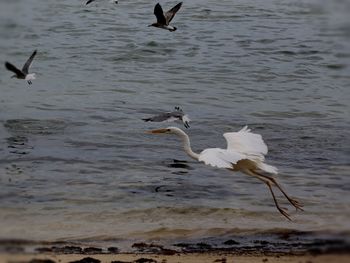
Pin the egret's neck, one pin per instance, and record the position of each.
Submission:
(187, 145)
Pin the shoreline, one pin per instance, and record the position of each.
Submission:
(219, 257)
(284, 246)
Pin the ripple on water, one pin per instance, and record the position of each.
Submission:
(32, 126)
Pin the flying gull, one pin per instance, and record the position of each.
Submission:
(163, 19)
(112, 1)
(175, 115)
(24, 73)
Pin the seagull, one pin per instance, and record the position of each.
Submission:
(163, 19)
(112, 1)
(245, 152)
(175, 115)
(24, 73)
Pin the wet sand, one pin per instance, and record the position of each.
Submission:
(326, 250)
(178, 257)
(284, 246)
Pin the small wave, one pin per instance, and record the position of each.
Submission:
(32, 126)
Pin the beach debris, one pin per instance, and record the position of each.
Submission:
(92, 250)
(152, 248)
(113, 250)
(87, 260)
(145, 260)
(231, 242)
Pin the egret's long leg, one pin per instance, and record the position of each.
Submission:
(269, 184)
(294, 202)
(281, 210)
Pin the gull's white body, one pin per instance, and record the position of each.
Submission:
(186, 119)
(167, 27)
(30, 77)
(245, 152)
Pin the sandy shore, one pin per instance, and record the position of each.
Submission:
(180, 257)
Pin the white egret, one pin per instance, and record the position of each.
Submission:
(245, 153)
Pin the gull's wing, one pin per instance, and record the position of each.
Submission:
(88, 2)
(15, 70)
(246, 142)
(161, 117)
(158, 12)
(220, 158)
(26, 66)
(169, 15)
(169, 117)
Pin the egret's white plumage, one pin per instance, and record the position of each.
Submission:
(245, 152)
(240, 145)
(246, 142)
(220, 158)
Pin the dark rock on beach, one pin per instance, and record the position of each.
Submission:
(86, 260)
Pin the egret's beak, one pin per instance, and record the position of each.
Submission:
(157, 131)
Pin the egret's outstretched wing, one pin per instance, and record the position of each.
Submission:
(26, 66)
(220, 158)
(169, 15)
(247, 143)
(158, 12)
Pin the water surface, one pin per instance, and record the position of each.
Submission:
(76, 163)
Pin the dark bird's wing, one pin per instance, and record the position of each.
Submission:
(88, 2)
(158, 12)
(26, 66)
(171, 13)
(15, 70)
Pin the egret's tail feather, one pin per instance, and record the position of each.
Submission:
(268, 168)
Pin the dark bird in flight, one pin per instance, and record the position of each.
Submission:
(24, 73)
(175, 115)
(163, 19)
